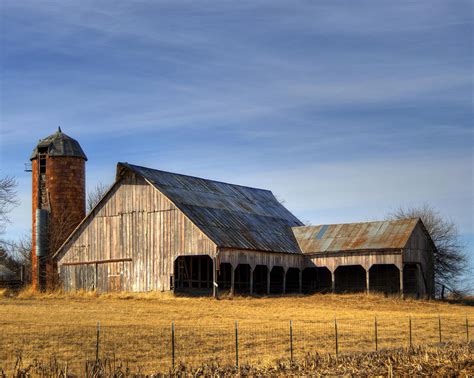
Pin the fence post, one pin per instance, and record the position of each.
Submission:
(291, 340)
(172, 345)
(409, 326)
(336, 335)
(97, 342)
(467, 330)
(439, 327)
(236, 344)
(376, 336)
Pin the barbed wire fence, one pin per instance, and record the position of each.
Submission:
(152, 348)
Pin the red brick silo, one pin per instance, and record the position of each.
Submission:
(59, 201)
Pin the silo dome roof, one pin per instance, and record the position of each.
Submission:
(59, 144)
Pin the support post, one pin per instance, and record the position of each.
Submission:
(284, 281)
(333, 282)
(251, 280)
(401, 282)
(232, 280)
(300, 281)
(214, 278)
(269, 271)
(367, 280)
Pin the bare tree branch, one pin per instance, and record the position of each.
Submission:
(8, 199)
(450, 260)
(95, 195)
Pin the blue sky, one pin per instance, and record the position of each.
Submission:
(344, 109)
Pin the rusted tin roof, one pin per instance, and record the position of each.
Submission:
(232, 216)
(59, 144)
(393, 234)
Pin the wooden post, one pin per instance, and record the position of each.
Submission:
(236, 344)
(291, 341)
(232, 280)
(367, 280)
(251, 281)
(409, 331)
(269, 271)
(336, 336)
(401, 282)
(214, 278)
(439, 327)
(172, 345)
(300, 281)
(467, 331)
(97, 343)
(333, 282)
(376, 336)
(284, 281)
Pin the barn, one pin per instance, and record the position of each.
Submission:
(156, 230)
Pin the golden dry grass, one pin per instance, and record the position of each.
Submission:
(448, 360)
(136, 328)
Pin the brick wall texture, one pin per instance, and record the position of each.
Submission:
(66, 187)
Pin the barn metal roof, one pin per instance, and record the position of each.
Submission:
(232, 216)
(393, 234)
(59, 144)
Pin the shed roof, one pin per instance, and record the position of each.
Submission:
(59, 144)
(232, 216)
(392, 234)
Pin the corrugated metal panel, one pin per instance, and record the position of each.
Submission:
(232, 216)
(355, 236)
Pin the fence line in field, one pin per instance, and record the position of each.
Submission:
(152, 348)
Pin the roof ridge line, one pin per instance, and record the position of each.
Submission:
(196, 177)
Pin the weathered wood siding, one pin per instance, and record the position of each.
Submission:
(130, 241)
(419, 250)
(254, 258)
(332, 260)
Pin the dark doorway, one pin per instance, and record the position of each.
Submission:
(292, 280)
(310, 280)
(223, 276)
(410, 280)
(350, 279)
(324, 284)
(193, 273)
(242, 279)
(260, 279)
(276, 280)
(384, 278)
(317, 280)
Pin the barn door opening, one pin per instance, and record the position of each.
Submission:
(193, 274)
(350, 279)
(384, 278)
(410, 280)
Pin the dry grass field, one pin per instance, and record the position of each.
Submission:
(136, 328)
